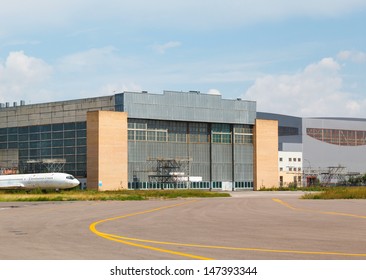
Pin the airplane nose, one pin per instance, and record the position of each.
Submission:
(75, 182)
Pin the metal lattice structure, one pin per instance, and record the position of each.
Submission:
(54, 165)
(168, 170)
(44, 165)
(331, 175)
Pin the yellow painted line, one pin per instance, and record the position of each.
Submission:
(131, 241)
(92, 227)
(107, 236)
(316, 211)
(284, 203)
(239, 248)
(344, 214)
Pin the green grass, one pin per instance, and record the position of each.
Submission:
(305, 189)
(339, 193)
(77, 195)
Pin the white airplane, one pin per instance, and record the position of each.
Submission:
(55, 181)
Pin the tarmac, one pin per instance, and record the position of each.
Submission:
(247, 226)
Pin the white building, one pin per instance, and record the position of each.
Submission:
(290, 168)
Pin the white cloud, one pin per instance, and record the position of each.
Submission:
(162, 48)
(21, 75)
(214, 92)
(314, 91)
(354, 56)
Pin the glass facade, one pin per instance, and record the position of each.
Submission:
(65, 142)
(287, 131)
(184, 132)
(167, 131)
(217, 153)
(192, 185)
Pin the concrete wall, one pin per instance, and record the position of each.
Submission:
(54, 112)
(107, 155)
(265, 154)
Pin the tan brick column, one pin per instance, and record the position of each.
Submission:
(265, 154)
(107, 150)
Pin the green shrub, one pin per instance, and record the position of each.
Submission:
(339, 193)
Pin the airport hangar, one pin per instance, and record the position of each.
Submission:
(141, 140)
(331, 150)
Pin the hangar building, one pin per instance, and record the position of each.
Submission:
(332, 148)
(143, 140)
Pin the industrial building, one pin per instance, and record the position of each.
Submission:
(290, 168)
(331, 150)
(143, 140)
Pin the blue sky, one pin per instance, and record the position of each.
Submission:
(304, 59)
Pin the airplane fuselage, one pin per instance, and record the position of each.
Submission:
(38, 180)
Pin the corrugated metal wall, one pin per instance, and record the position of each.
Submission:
(188, 118)
(186, 106)
(222, 165)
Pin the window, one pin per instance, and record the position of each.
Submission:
(248, 139)
(161, 136)
(34, 129)
(281, 159)
(341, 137)
(287, 131)
(140, 135)
(13, 145)
(69, 126)
(151, 135)
(81, 142)
(13, 138)
(34, 137)
(69, 150)
(221, 133)
(226, 138)
(216, 138)
(56, 135)
(146, 130)
(45, 136)
(81, 133)
(69, 142)
(46, 144)
(69, 134)
(141, 126)
(243, 134)
(58, 127)
(198, 132)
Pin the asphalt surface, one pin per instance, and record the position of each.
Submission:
(249, 225)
